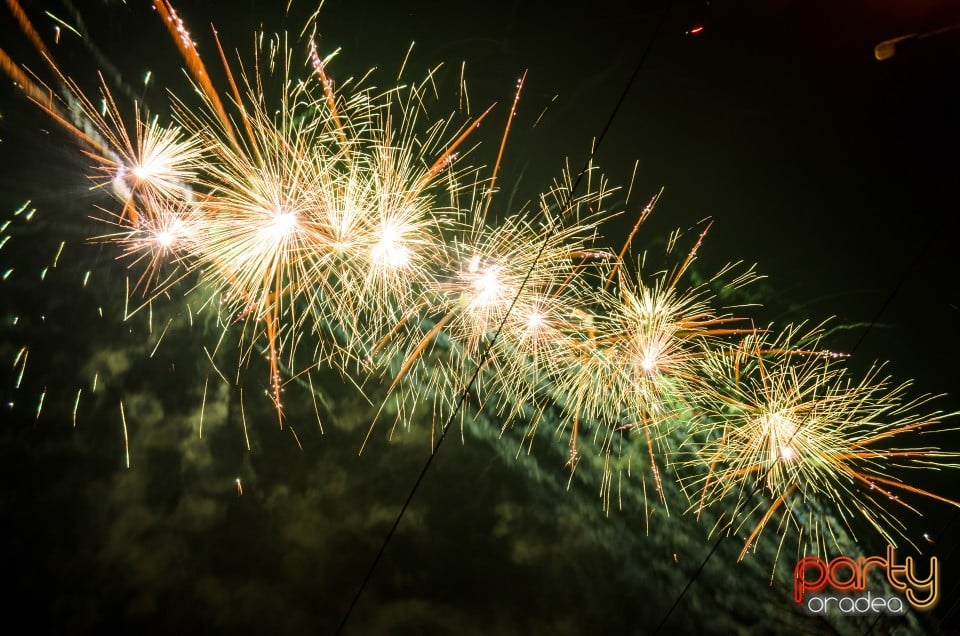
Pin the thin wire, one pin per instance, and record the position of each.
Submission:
(489, 346)
(896, 289)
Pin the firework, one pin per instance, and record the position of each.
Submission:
(631, 366)
(317, 214)
(340, 226)
(791, 425)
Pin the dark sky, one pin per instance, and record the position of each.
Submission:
(833, 172)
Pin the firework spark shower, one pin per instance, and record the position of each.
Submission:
(312, 225)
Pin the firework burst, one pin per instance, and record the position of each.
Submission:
(503, 299)
(632, 366)
(339, 225)
(316, 212)
(796, 436)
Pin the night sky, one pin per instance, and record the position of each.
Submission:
(834, 172)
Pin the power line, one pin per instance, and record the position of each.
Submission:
(489, 346)
(896, 289)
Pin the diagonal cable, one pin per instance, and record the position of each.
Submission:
(484, 357)
(758, 487)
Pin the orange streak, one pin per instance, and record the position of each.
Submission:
(419, 349)
(653, 466)
(694, 321)
(274, 366)
(677, 273)
(30, 32)
(574, 432)
(383, 341)
(31, 88)
(194, 63)
(236, 96)
(706, 484)
(503, 143)
(328, 92)
(894, 432)
(444, 159)
(896, 484)
(878, 455)
(763, 522)
(43, 98)
(720, 332)
(626, 244)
